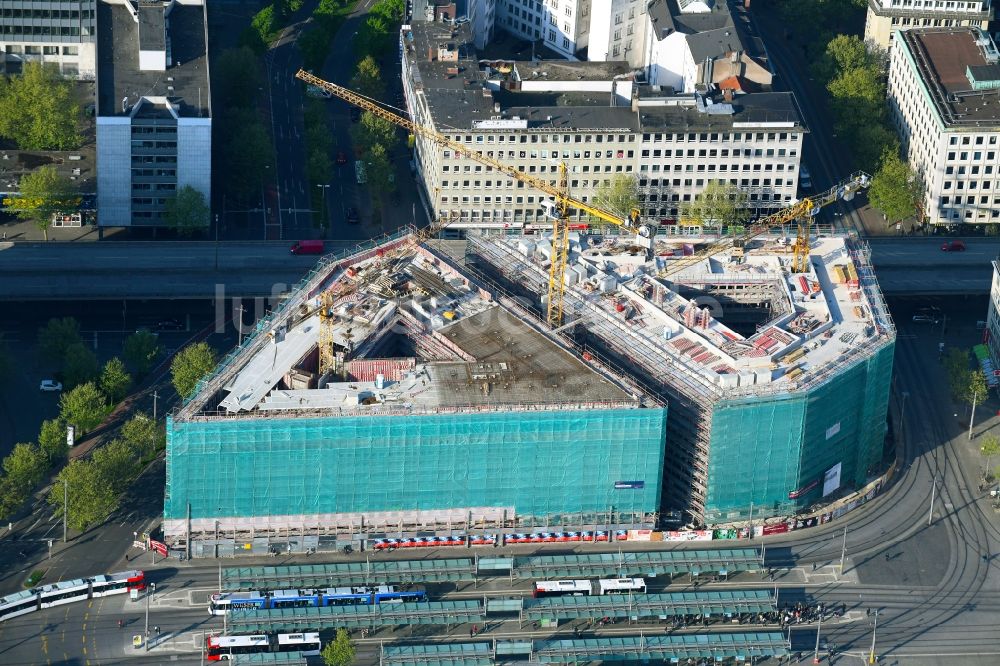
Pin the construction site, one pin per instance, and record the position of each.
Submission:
(417, 387)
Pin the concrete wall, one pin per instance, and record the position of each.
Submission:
(194, 154)
(114, 171)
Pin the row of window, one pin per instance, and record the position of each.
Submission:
(655, 168)
(973, 170)
(970, 185)
(969, 200)
(659, 137)
(12, 14)
(33, 49)
(723, 152)
(488, 199)
(540, 138)
(149, 187)
(26, 31)
(946, 5)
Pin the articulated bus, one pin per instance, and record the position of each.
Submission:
(220, 604)
(224, 648)
(579, 588)
(64, 592)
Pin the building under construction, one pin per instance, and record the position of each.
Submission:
(415, 388)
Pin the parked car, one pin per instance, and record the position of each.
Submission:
(318, 93)
(352, 216)
(50, 385)
(925, 319)
(341, 158)
(953, 246)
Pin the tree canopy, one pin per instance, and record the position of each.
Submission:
(79, 365)
(141, 351)
(367, 79)
(620, 195)
(57, 336)
(190, 365)
(84, 407)
(44, 193)
(235, 78)
(187, 211)
(38, 110)
(720, 202)
(91, 497)
(115, 379)
(52, 440)
(340, 651)
(895, 189)
(249, 152)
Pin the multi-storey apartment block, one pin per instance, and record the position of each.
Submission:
(598, 118)
(885, 17)
(944, 96)
(154, 127)
(60, 32)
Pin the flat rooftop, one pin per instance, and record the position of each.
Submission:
(461, 89)
(944, 58)
(182, 36)
(414, 335)
(676, 326)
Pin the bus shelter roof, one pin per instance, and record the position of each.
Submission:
(348, 573)
(438, 654)
(646, 563)
(666, 648)
(710, 603)
(362, 615)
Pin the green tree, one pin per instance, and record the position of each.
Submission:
(143, 434)
(974, 387)
(989, 446)
(390, 10)
(25, 466)
(619, 195)
(115, 379)
(859, 83)
(380, 173)
(235, 78)
(52, 440)
(141, 350)
(313, 44)
(118, 463)
(373, 130)
(43, 194)
(84, 407)
(956, 366)
(895, 188)
(367, 79)
(248, 151)
(190, 365)
(720, 202)
(79, 365)
(187, 211)
(91, 497)
(12, 498)
(57, 336)
(340, 651)
(38, 110)
(843, 52)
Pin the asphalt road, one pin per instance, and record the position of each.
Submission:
(173, 270)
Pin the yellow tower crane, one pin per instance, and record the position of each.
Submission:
(561, 199)
(801, 212)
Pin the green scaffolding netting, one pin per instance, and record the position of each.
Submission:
(542, 463)
(773, 453)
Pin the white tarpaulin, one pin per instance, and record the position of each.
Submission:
(831, 480)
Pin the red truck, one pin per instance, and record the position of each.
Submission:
(308, 247)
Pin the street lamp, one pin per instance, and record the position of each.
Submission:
(871, 655)
(152, 589)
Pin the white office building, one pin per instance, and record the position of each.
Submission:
(597, 117)
(885, 17)
(560, 25)
(154, 125)
(944, 97)
(60, 32)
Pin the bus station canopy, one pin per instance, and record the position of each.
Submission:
(438, 654)
(646, 563)
(713, 603)
(362, 615)
(347, 573)
(743, 646)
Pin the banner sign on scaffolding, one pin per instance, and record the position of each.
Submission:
(158, 546)
(795, 494)
(831, 479)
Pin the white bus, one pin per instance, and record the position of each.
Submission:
(621, 586)
(562, 588)
(224, 648)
